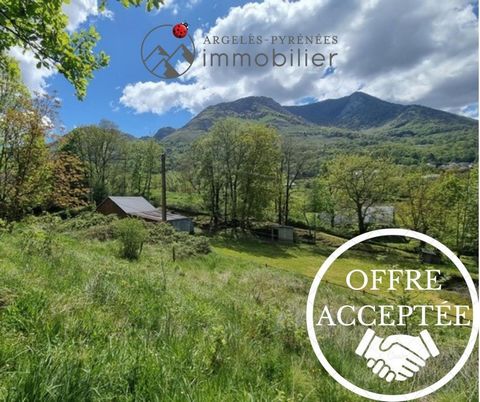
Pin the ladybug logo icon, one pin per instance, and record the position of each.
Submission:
(168, 51)
(180, 30)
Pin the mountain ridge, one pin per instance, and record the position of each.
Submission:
(349, 123)
(345, 111)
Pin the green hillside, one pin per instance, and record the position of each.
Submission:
(411, 134)
(260, 109)
(357, 111)
(80, 324)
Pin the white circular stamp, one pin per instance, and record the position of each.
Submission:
(393, 397)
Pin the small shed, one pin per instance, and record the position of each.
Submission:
(430, 257)
(139, 207)
(283, 233)
(180, 222)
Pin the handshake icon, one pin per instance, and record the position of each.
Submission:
(396, 357)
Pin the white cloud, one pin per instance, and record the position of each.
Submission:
(411, 52)
(108, 14)
(159, 97)
(175, 5)
(34, 78)
(169, 5)
(192, 3)
(114, 106)
(47, 123)
(78, 11)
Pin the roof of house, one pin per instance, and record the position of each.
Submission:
(382, 209)
(429, 252)
(157, 216)
(278, 226)
(131, 205)
(139, 206)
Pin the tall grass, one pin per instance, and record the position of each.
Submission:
(81, 324)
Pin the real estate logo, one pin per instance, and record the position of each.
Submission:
(397, 340)
(168, 51)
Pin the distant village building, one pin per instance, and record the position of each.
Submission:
(459, 166)
(430, 257)
(139, 207)
(283, 233)
(381, 215)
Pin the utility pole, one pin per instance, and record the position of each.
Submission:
(164, 190)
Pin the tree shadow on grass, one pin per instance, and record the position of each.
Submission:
(262, 248)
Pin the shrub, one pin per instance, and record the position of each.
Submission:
(88, 220)
(131, 234)
(292, 335)
(188, 246)
(91, 225)
(185, 244)
(39, 236)
(101, 232)
(161, 233)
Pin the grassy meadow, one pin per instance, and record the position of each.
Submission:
(78, 323)
(95, 308)
(306, 260)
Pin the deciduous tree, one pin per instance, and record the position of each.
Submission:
(144, 162)
(69, 182)
(321, 199)
(294, 162)
(455, 217)
(236, 166)
(416, 211)
(41, 27)
(361, 182)
(24, 161)
(100, 149)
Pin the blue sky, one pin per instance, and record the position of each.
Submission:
(121, 39)
(403, 51)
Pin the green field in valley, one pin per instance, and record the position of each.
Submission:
(306, 260)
